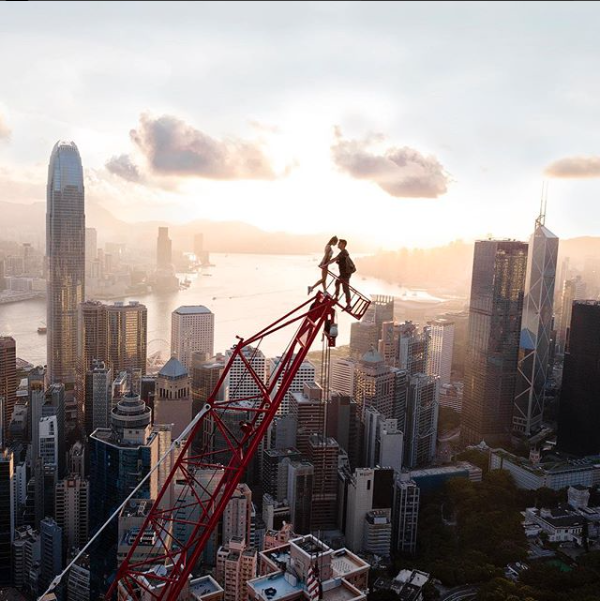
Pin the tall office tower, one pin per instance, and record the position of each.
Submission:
(460, 319)
(127, 336)
(91, 249)
(441, 343)
(342, 375)
(78, 580)
(306, 373)
(23, 552)
(282, 432)
(8, 383)
(275, 462)
(535, 347)
(299, 494)
(205, 377)
(65, 255)
(164, 257)
(383, 442)
(401, 379)
(343, 424)
(374, 384)
(92, 332)
(71, 510)
(377, 534)
(422, 412)
(237, 562)
(308, 410)
(579, 409)
(367, 332)
(237, 515)
(192, 330)
(323, 453)
(52, 547)
(591, 275)
(240, 383)
(48, 437)
(173, 399)
(7, 515)
(120, 456)
(98, 395)
(413, 348)
(495, 308)
(405, 515)
(45, 404)
(367, 489)
(574, 289)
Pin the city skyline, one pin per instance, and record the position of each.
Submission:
(368, 114)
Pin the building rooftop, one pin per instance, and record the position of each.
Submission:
(192, 310)
(372, 356)
(206, 585)
(173, 368)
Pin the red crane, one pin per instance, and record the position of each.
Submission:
(206, 480)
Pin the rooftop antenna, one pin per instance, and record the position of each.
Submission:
(541, 220)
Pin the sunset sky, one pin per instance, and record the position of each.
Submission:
(403, 123)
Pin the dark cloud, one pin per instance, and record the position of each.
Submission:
(173, 147)
(124, 167)
(4, 129)
(575, 167)
(401, 172)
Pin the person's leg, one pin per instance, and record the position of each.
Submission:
(337, 288)
(346, 284)
(324, 278)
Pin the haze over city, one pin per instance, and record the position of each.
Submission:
(305, 117)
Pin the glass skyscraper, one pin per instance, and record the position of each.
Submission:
(65, 252)
(495, 309)
(536, 330)
(579, 409)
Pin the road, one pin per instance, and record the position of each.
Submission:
(460, 593)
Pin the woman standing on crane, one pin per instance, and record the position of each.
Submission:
(323, 265)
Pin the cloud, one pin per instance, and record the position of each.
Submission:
(124, 167)
(4, 129)
(575, 167)
(173, 147)
(401, 172)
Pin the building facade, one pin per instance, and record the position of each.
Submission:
(192, 330)
(495, 308)
(65, 255)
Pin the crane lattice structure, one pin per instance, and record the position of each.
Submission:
(205, 481)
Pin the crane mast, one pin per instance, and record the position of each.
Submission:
(200, 484)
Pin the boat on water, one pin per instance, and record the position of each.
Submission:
(42, 330)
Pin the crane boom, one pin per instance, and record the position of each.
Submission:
(203, 482)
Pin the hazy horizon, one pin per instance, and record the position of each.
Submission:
(406, 124)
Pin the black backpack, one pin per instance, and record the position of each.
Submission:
(350, 266)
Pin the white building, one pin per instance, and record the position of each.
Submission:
(192, 329)
(237, 517)
(306, 373)
(48, 440)
(439, 359)
(341, 376)
(240, 384)
(383, 441)
(360, 501)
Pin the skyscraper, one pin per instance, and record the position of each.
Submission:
(127, 336)
(422, 409)
(306, 373)
(441, 343)
(192, 329)
(374, 384)
(579, 409)
(495, 308)
(173, 399)
(536, 329)
(164, 257)
(91, 249)
(572, 290)
(8, 383)
(98, 385)
(71, 508)
(65, 254)
(405, 515)
(7, 518)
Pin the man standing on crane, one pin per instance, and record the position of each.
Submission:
(347, 268)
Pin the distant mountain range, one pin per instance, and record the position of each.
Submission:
(26, 222)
